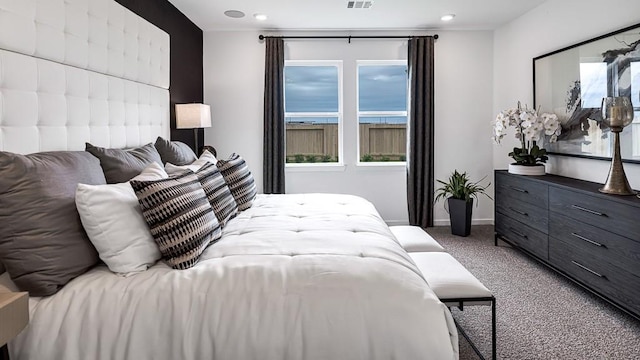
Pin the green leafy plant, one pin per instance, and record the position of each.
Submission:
(310, 159)
(366, 158)
(459, 186)
(327, 158)
(522, 156)
(298, 158)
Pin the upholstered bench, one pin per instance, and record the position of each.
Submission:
(414, 239)
(456, 286)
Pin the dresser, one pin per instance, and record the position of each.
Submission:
(590, 237)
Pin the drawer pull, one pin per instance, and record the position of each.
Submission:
(588, 210)
(518, 233)
(587, 240)
(518, 212)
(587, 269)
(518, 189)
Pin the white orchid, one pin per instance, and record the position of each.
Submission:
(531, 127)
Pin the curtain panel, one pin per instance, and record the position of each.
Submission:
(420, 183)
(274, 126)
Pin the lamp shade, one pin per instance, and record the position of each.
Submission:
(193, 116)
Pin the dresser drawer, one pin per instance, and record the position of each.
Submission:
(602, 276)
(523, 236)
(526, 213)
(523, 189)
(599, 244)
(606, 214)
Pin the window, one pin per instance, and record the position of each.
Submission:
(382, 111)
(313, 111)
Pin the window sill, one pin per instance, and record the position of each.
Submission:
(333, 167)
(382, 166)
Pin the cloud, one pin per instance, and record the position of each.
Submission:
(315, 88)
(311, 88)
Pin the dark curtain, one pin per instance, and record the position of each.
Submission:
(420, 131)
(274, 127)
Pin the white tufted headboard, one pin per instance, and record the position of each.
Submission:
(76, 71)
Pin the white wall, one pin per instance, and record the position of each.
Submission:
(553, 25)
(234, 79)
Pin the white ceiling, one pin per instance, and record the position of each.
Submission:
(334, 15)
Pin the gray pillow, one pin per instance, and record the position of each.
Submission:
(42, 243)
(120, 165)
(175, 152)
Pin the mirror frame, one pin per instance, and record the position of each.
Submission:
(578, 122)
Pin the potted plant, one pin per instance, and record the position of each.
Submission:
(460, 192)
(531, 127)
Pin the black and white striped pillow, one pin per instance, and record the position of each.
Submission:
(179, 216)
(241, 183)
(218, 193)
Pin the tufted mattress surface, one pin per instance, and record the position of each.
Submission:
(309, 276)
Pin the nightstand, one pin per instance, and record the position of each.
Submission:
(14, 316)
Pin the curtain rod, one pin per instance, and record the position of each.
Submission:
(349, 37)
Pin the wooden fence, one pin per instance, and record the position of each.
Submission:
(315, 142)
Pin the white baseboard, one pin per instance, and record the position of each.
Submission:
(446, 222)
(397, 222)
(441, 222)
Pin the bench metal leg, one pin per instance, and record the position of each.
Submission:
(493, 324)
(493, 328)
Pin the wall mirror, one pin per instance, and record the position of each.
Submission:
(571, 83)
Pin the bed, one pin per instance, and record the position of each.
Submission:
(311, 276)
(304, 276)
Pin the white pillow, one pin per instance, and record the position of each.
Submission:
(194, 166)
(112, 218)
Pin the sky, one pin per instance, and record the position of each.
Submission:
(315, 88)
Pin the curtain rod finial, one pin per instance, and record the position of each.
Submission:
(434, 36)
(260, 37)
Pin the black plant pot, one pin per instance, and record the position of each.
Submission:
(460, 216)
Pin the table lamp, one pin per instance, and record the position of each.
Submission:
(193, 116)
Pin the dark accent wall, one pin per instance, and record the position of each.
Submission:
(186, 81)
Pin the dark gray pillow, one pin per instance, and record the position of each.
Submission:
(122, 165)
(175, 152)
(42, 243)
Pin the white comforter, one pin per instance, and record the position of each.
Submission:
(311, 276)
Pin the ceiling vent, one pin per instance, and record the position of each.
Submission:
(359, 4)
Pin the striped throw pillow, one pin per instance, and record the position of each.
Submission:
(179, 216)
(241, 183)
(218, 193)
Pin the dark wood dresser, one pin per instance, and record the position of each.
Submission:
(590, 237)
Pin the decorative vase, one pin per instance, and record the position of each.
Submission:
(460, 216)
(537, 169)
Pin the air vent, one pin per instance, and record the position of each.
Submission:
(359, 4)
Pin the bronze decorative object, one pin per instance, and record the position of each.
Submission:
(617, 112)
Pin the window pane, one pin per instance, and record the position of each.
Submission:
(382, 87)
(311, 139)
(383, 138)
(311, 88)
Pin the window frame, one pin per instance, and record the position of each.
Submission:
(377, 113)
(339, 114)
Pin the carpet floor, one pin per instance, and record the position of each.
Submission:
(540, 314)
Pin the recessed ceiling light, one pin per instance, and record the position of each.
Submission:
(236, 14)
(260, 17)
(448, 17)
